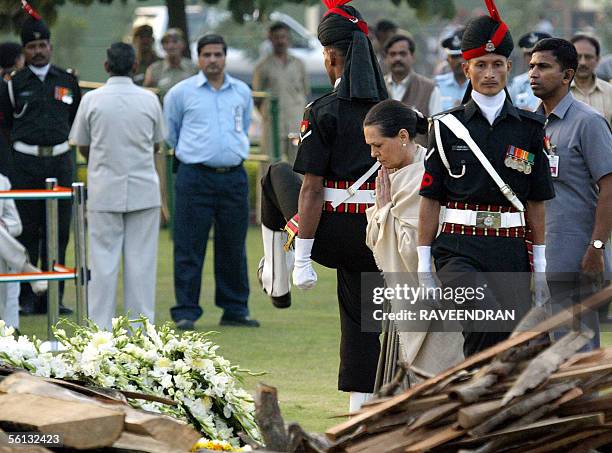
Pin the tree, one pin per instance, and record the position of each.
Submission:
(11, 14)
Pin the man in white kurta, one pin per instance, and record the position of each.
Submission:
(118, 127)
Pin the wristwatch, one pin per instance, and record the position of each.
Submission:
(599, 245)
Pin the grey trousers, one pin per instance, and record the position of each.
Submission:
(133, 236)
(13, 256)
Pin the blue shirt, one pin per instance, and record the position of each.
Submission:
(582, 139)
(209, 126)
(451, 93)
(522, 94)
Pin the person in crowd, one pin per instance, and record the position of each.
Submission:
(579, 145)
(284, 77)
(452, 85)
(163, 75)
(586, 86)
(11, 58)
(520, 89)
(383, 30)
(404, 84)
(211, 185)
(604, 68)
(331, 221)
(117, 129)
(143, 41)
(389, 129)
(491, 186)
(37, 106)
(13, 259)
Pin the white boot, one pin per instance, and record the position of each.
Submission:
(40, 286)
(356, 400)
(274, 269)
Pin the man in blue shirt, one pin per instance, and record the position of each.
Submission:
(208, 116)
(452, 85)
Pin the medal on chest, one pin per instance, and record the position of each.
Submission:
(64, 94)
(519, 159)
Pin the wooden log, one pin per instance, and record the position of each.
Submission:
(130, 442)
(475, 414)
(437, 438)
(546, 363)
(473, 390)
(390, 421)
(556, 442)
(592, 443)
(550, 324)
(81, 425)
(395, 439)
(522, 407)
(175, 433)
(432, 416)
(600, 404)
(269, 418)
(301, 441)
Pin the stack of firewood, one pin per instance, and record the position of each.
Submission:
(522, 395)
(82, 418)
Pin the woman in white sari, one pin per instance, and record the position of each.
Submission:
(389, 129)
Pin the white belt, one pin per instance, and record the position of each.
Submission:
(484, 219)
(45, 151)
(339, 196)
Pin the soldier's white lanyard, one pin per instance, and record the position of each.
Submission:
(457, 128)
(11, 94)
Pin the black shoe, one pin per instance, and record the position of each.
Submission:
(238, 321)
(63, 310)
(282, 301)
(185, 324)
(28, 308)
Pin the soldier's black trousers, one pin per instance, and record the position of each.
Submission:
(30, 172)
(501, 265)
(339, 244)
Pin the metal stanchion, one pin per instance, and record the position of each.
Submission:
(51, 206)
(80, 251)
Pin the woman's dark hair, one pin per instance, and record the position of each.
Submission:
(120, 57)
(392, 116)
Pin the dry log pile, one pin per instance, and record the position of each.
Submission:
(84, 418)
(522, 395)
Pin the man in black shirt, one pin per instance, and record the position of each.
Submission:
(332, 156)
(37, 108)
(484, 230)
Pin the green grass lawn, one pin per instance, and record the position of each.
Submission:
(297, 347)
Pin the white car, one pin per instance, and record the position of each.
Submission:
(206, 19)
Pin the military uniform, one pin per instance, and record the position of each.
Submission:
(333, 146)
(39, 124)
(459, 249)
(484, 239)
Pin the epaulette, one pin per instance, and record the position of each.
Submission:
(451, 110)
(319, 100)
(73, 72)
(541, 119)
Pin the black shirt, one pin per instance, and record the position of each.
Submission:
(332, 143)
(43, 111)
(512, 128)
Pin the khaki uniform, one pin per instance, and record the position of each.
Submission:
(289, 83)
(599, 97)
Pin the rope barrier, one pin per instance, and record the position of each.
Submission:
(58, 193)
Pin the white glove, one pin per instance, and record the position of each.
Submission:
(541, 293)
(425, 275)
(304, 276)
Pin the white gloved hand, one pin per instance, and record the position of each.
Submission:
(304, 276)
(541, 293)
(424, 267)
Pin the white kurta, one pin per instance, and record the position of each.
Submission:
(392, 235)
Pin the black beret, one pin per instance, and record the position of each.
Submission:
(528, 41)
(33, 30)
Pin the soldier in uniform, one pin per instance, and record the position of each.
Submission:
(520, 89)
(333, 157)
(452, 84)
(484, 227)
(38, 106)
